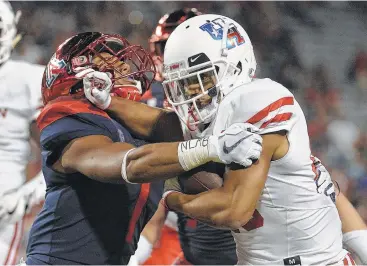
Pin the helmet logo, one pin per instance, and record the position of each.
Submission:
(175, 67)
(80, 61)
(215, 29)
(53, 69)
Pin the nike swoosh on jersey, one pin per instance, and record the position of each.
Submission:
(12, 211)
(227, 149)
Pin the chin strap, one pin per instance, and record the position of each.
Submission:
(194, 117)
(129, 92)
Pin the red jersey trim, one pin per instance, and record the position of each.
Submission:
(140, 203)
(270, 108)
(65, 106)
(277, 119)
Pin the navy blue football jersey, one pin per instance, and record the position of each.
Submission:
(205, 245)
(84, 221)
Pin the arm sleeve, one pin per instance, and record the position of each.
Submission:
(356, 242)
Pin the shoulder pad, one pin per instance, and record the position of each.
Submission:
(65, 106)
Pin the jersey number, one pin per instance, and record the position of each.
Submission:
(255, 222)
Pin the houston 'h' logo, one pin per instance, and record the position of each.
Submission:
(215, 29)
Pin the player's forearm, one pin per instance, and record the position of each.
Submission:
(353, 227)
(216, 208)
(99, 158)
(147, 163)
(349, 216)
(150, 235)
(100, 163)
(166, 160)
(152, 230)
(138, 117)
(153, 162)
(230, 206)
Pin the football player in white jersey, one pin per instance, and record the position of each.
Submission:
(273, 207)
(296, 199)
(20, 101)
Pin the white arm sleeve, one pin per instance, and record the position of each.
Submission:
(356, 243)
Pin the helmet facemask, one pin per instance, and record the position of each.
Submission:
(128, 65)
(194, 93)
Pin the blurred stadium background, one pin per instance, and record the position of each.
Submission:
(316, 49)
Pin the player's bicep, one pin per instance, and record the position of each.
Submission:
(246, 184)
(95, 156)
(81, 149)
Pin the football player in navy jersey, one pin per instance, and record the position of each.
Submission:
(95, 207)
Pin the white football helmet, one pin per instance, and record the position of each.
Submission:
(8, 30)
(204, 58)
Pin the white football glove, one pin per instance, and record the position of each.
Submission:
(324, 183)
(16, 203)
(12, 207)
(97, 86)
(34, 191)
(239, 144)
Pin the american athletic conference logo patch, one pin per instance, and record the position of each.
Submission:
(215, 29)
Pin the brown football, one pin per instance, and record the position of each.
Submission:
(203, 178)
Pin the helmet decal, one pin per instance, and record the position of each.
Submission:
(215, 30)
(53, 70)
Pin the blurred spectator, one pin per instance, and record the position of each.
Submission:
(358, 69)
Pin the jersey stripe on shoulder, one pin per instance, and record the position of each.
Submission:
(65, 106)
(270, 108)
(277, 119)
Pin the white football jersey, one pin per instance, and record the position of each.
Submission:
(292, 223)
(20, 102)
